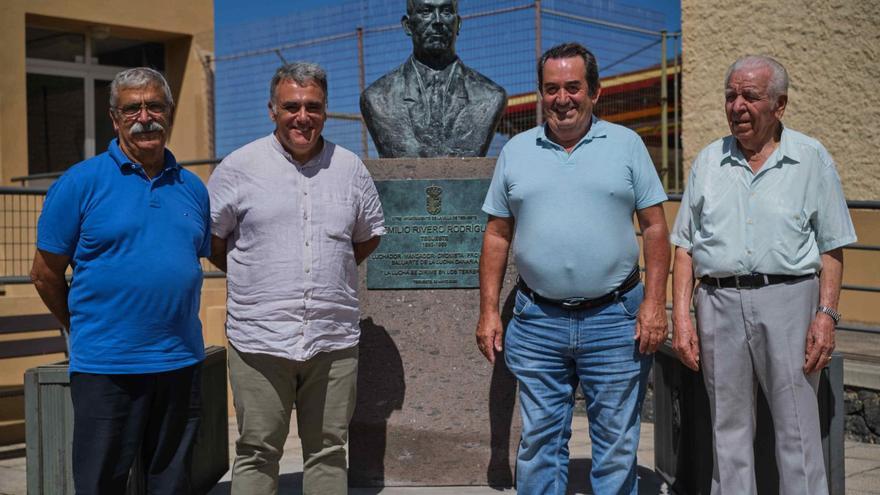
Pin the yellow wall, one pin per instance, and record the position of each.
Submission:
(186, 28)
(831, 51)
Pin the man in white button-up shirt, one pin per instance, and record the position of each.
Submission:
(293, 214)
(762, 224)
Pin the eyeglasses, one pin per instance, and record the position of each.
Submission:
(154, 108)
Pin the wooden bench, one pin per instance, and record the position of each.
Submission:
(25, 347)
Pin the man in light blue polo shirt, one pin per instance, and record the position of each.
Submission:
(565, 193)
(132, 225)
(762, 215)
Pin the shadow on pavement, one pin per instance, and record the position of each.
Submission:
(579, 479)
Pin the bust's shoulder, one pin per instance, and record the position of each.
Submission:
(478, 82)
(385, 83)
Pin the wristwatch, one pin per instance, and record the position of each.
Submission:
(830, 312)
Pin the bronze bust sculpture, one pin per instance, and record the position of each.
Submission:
(432, 105)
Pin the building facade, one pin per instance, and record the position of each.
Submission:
(59, 57)
(831, 50)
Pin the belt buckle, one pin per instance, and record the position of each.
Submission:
(573, 303)
(736, 281)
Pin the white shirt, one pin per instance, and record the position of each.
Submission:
(292, 276)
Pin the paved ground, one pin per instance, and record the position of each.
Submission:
(862, 470)
(862, 460)
(291, 467)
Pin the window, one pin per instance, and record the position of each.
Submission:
(68, 91)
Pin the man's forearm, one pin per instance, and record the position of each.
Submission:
(831, 278)
(53, 291)
(655, 239)
(493, 263)
(48, 276)
(362, 250)
(682, 284)
(218, 253)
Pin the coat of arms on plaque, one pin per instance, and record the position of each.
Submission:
(433, 199)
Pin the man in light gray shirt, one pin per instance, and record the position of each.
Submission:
(762, 224)
(293, 214)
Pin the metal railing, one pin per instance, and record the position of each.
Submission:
(21, 208)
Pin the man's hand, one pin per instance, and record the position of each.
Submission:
(490, 335)
(820, 335)
(651, 326)
(820, 343)
(686, 343)
(493, 262)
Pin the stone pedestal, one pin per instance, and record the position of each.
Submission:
(431, 410)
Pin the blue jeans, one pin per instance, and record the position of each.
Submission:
(549, 349)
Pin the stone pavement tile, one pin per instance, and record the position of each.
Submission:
(859, 450)
(866, 482)
(854, 467)
(13, 481)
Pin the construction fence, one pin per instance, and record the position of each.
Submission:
(360, 41)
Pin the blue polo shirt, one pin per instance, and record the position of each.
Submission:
(573, 212)
(134, 245)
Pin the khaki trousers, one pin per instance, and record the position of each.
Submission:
(264, 390)
(750, 336)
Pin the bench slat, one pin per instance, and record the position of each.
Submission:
(32, 347)
(28, 323)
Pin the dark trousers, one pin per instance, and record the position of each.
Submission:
(118, 416)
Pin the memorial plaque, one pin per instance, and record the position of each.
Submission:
(434, 234)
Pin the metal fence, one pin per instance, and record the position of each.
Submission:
(360, 41)
(21, 208)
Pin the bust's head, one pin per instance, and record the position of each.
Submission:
(433, 26)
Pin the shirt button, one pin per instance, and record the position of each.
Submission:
(306, 193)
(307, 270)
(749, 221)
(307, 243)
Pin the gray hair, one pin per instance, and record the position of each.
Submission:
(139, 77)
(778, 85)
(301, 73)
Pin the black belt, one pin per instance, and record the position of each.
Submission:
(577, 303)
(751, 280)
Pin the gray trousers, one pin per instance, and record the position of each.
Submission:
(264, 390)
(750, 336)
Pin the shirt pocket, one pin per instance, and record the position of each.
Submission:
(793, 227)
(335, 216)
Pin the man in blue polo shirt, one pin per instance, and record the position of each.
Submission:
(568, 190)
(132, 225)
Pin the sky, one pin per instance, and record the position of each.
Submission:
(230, 12)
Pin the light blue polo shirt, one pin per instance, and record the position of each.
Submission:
(134, 244)
(574, 234)
(777, 221)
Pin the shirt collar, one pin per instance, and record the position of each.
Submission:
(597, 130)
(124, 162)
(277, 146)
(785, 153)
(430, 76)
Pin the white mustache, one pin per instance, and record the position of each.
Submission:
(151, 126)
